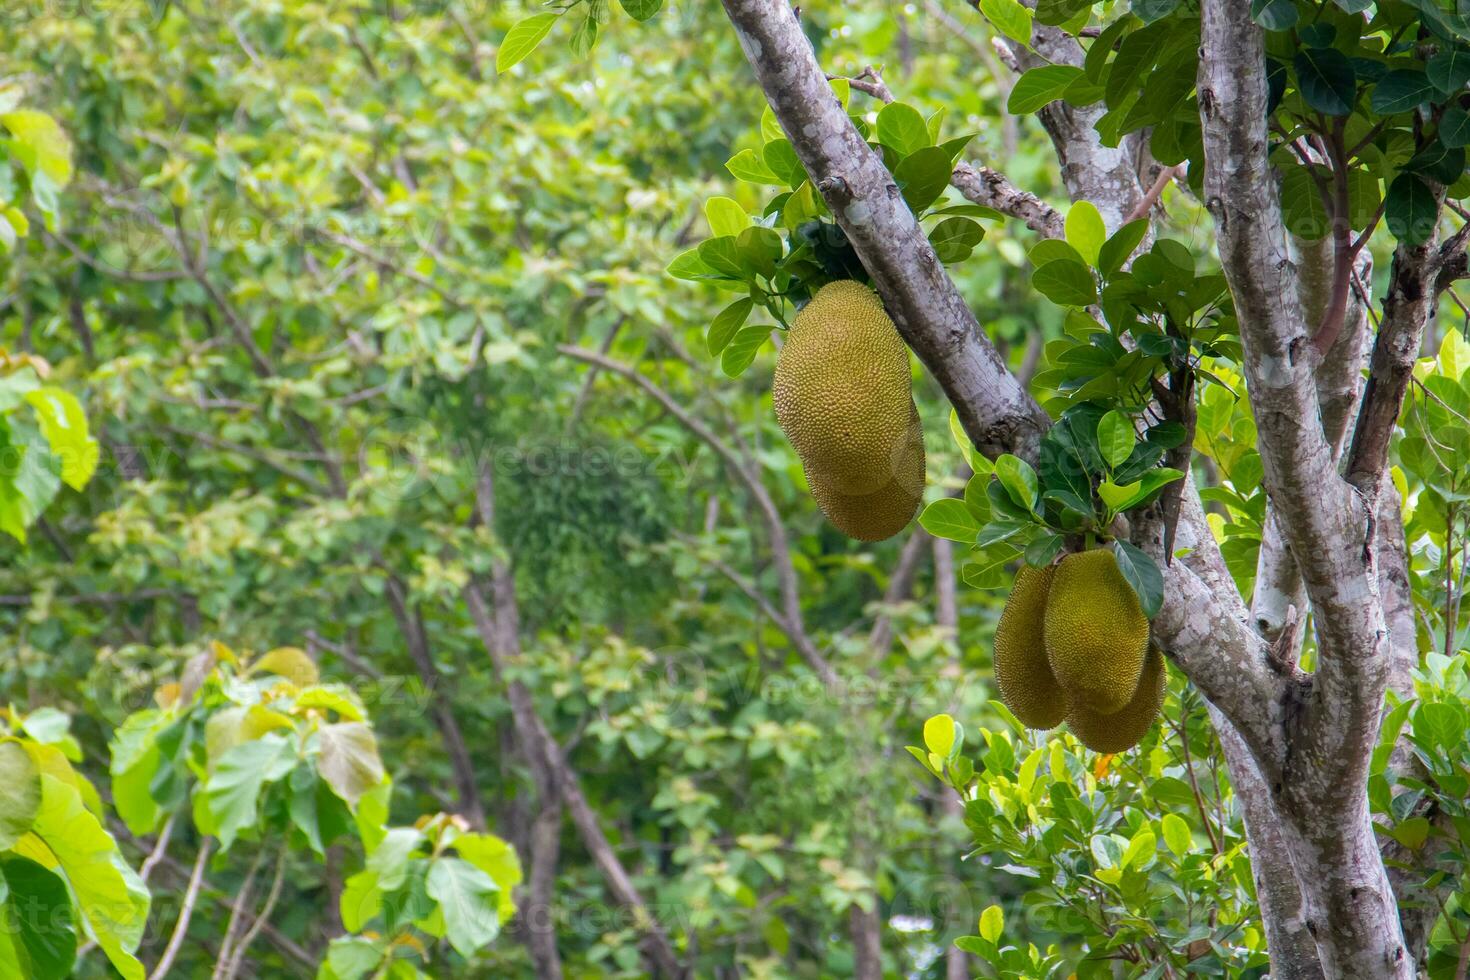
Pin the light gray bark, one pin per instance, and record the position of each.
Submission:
(1321, 792)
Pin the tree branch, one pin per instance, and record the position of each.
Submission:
(994, 409)
(186, 911)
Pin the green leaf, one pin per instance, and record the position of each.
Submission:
(64, 425)
(1086, 231)
(135, 763)
(725, 216)
(1115, 496)
(1065, 283)
(1443, 723)
(22, 797)
(349, 759)
(38, 939)
(351, 958)
(902, 129)
(723, 256)
(1115, 438)
(1401, 90)
(1274, 15)
(1326, 79)
(939, 735)
(641, 10)
(584, 37)
(923, 176)
(1119, 246)
(760, 249)
(111, 898)
(745, 165)
(523, 38)
(782, 161)
(1010, 18)
(726, 323)
(689, 266)
(497, 859)
(1412, 833)
(1143, 575)
(1177, 835)
(740, 352)
(1043, 548)
(955, 238)
(1019, 480)
(950, 519)
(1449, 70)
(1454, 127)
(1149, 11)
(469, 901)
(1411, 210)
(992, 923)
(1040, 87)
(40, 144)
(231, 792)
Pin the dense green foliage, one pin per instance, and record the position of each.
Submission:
(301, 276)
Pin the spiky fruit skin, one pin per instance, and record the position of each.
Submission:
(1027, 685)
(842, 390)
(1120, 731)
(887, 510)
(1096, 633)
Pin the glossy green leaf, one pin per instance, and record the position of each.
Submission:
(523, 38)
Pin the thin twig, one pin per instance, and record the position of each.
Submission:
(186, 911)
(261, 917)
(1155, 192)
(237, 909)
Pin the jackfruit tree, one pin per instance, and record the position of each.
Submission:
(1276, 580)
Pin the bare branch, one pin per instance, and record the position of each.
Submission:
(186, 911)
(1156, 191)
(1410, 303)
(990, 188)
(980, 185)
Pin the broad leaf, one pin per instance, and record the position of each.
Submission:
(469, 901)
(523, 38)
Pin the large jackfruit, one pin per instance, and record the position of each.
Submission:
(842, 390)
(1121, 730)
(887, 510)
(1026, 683)
(1096, 633)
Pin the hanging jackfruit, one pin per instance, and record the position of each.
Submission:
(842, 390)
(1096, 633)
(887, 510)
(1120, 731)
(1026, 683)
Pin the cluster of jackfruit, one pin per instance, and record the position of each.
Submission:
(844, 398)
(1073, 645)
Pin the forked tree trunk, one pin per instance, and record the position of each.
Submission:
(1298, 745)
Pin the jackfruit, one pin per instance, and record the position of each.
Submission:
(1096, 633)
(1026, 683)
(1120, 731)
(842, 391)
(887, 510)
